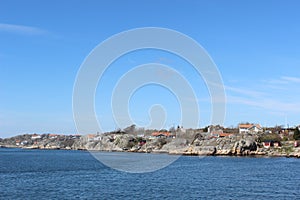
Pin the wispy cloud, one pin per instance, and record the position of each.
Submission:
(21, 29)
(245, 91)
(282, 83)
(276, 95)
(279, 81)
(267, 104)
(291, 79)
(238, 90)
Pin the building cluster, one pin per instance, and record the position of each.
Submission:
(212, 131)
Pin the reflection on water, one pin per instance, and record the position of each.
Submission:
(135, 162)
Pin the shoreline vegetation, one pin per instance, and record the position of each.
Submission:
(209, 141)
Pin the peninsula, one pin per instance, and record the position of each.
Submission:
(245, 140)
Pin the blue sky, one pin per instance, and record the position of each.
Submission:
(255, 45)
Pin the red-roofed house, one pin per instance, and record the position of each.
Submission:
(225, 134)
(250, 128)
(53, 136)
(162, 134)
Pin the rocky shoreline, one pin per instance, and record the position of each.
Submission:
(197, 144)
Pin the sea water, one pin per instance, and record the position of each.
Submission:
(62, 174)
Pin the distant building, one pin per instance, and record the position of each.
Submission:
(163, 135)
(268, 144)
(268, 131)
(18, 142)
(216, 131)
(225, 134)
(250, 128)
(36, 136)
(91, 137)
(53, 136)
(76, 136)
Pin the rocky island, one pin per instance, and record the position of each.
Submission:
(212, 140)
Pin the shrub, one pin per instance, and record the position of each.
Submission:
(297, 134)
(269, 137)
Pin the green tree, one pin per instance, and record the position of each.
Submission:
(205, 129)
(269, 137)
(297, 134)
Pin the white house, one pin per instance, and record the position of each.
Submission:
(36, 136)
(250, 128)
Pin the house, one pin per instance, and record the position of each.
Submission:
(250, 128)
(268, 131)
(215, 131)
(76, 136)
(267, 144)
(36, 136)
(18, 142)
(53, 136)
(271, 143)
(91, 137)
(225, 134)
(98, 138)
(163, 135)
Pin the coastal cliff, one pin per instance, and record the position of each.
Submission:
(181, 144)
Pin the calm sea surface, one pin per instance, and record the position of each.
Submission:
(57, 174)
